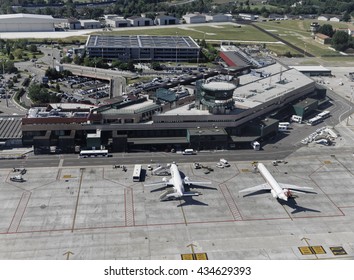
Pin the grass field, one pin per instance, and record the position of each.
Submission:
(210, 32)
(298, 33)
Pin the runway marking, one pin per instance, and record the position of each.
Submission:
(184, 214)
(187, 257)
(318, 250)
(201, 256)
(230, 202)
(129, 207)
(58, 174)
(305, 250)
(338, 251)
(194, 256)
(77, 201)
(20, 210)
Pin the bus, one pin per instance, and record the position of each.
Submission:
(137, 173)
(93, 153)
(324, 114)
(282, 128)
(314, 120)
(287, 124)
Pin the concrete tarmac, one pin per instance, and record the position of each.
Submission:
(98, 212)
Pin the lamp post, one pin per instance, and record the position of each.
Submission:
(176, 48)
(351, 101)
(305, 50)
(3, 72)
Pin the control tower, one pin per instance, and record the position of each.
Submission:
(216, 97)
(314, 28)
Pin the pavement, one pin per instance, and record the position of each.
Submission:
(98, 212)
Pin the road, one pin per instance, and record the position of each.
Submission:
(118, 77)
(146, 158)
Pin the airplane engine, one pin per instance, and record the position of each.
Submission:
(274, 194)
(164, 179)
(186, 180)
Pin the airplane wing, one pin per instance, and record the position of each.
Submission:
(191, 194)
(187, 181)
(295, 188)
(156, 184)
(165, 182)
(262, 187)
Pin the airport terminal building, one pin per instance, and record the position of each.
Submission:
(143, 48)
(218, 115)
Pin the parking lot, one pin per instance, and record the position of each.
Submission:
(82, 90)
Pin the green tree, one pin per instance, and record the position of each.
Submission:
(66, 59)
(346, 17)
(40, 94)
(78, 60)
(33, 48)
(10, 67)
(326, 29)
(340, 40)
(18, 53)
(57, 87)
(155, 65)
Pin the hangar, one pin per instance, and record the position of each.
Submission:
(27, 23)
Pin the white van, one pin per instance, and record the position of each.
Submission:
(224, 162)
(189, 152)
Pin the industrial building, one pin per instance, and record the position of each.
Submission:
(194, 18)
(218, 115)
(90, 24)
(143, 48)
(140, 21)
(27, 23)
(10, 131)
(313, 70)
(117, 22)
(165, 20)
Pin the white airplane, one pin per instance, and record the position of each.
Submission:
(178, 185)
(278, 190)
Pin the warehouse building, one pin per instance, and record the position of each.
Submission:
(10, 131)
(313, 70)
(165, 20)
(90, 24)
(194, 18)
(140, 21)
(143, 48)
(28, 23)
(117, 22)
